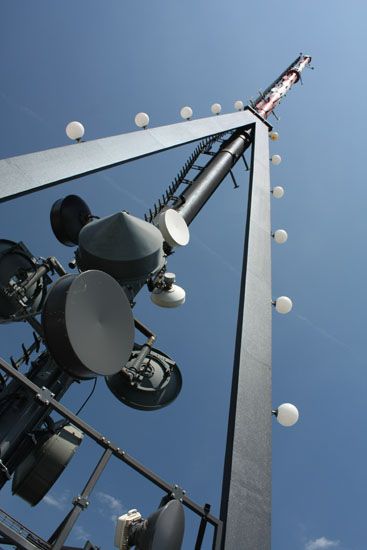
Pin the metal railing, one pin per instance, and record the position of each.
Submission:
(22, 534)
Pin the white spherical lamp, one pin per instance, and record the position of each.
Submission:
(278, 192)
(276, 159)
(287, 414)
(283, 304)
(280, 236)
(75, 130)
(186, 112)
(142, 120)
(274, 136)
(216, 108)
(238, 105)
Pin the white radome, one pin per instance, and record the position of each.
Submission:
(287, 414)
(173, 228)
(283, 304)
(75, 130)
(186, 112)
(172, 297)
(216, 108)
(280, 236)
(278, 192)
(142, 120)
(238, 105)
(276, 159)
(274, 136)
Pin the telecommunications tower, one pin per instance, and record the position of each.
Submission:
(83, 326)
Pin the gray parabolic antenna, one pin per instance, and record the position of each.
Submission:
(34, 477)
(68, 215)
(163, 530)
(88, 324)
(126, 247)
(158, 386)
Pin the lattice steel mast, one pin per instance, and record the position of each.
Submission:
(245, 508)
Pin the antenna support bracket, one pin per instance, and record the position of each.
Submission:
(80, 501)
(45, 395)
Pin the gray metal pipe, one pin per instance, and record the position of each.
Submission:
(192, 200)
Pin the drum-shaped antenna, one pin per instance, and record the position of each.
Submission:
(68, 216)
(88, 324)
(162, 529)
(127, 248)
(34, 477)
(16, 265)
(158, 385)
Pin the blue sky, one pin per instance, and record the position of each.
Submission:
(102, 62)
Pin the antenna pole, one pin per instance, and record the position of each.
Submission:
(246, 490)
(268, 100)
(192, 200)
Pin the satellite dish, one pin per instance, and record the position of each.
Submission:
(34, 477)
(173, 228)
(16, 264)
(163, 530)
(68, 216)
(167, 294)
(158, 384)
(173, 297)
(126, 247)
(88, 324)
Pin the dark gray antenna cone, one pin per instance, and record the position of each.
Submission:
(155, 385)
(163, 530)
(126, 247)
(88, 324)
(68, 216)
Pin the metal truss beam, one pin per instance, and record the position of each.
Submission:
(117, 452)
(20, 541)
(28, 173)
(246, 493)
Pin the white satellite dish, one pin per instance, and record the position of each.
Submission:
(169, 296)
(173, 228)
(173, 297)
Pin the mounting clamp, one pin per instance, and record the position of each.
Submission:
(80, 501)
(177, 493)
(45, 395)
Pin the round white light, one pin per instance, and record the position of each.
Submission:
(276, 159)
(142, 120)
(283, 304)
(278, 192)
(186, 112)
(238, 105)
(274, 136)
(172, 297)
(280, 236)
(216, 108)
(287, 414)
(74, 130)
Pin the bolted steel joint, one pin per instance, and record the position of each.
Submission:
(177, 493)
(45, 395)
(80, 501)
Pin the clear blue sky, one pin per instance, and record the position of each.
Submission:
(101, 62)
